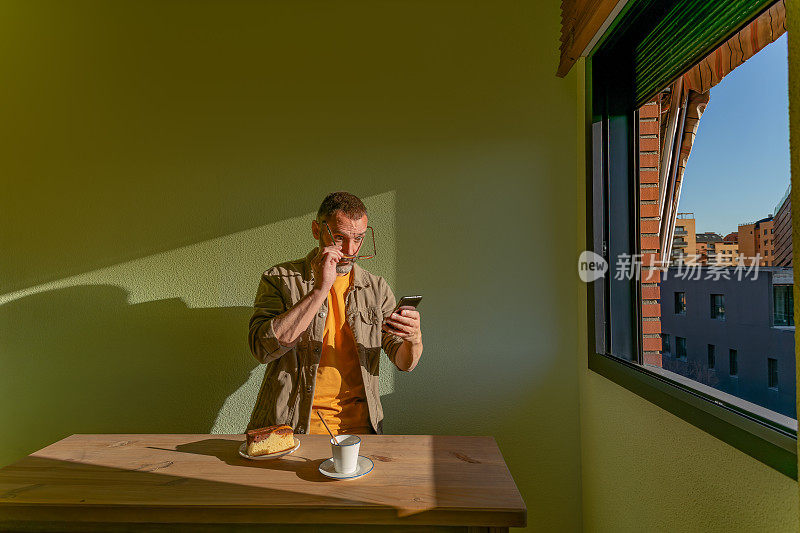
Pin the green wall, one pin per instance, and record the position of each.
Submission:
(158, 156)
(643, 469)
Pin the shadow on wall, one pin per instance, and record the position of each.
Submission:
(96, 364)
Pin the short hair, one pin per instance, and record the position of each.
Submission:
(349, 204)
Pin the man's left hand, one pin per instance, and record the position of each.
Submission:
(405, 325)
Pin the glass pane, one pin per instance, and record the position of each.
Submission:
(715, 212)
(621, 245)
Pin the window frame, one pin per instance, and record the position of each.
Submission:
(762, 438)
(772, 367)
(717, 311)
(788, 301)
(682, 301)
(681, 354)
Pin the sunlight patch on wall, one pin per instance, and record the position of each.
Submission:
(224, 272)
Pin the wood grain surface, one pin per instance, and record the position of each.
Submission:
(201, 479)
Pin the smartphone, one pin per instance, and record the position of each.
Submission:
(413, 301)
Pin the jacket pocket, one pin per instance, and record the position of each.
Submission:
(370, 321)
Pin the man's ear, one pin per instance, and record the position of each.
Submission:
(315, 229)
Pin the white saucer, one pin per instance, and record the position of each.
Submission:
(243, 452)
(365, 466)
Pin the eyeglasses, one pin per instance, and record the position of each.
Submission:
(340, 242)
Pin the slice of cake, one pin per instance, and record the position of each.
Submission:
(271, 439)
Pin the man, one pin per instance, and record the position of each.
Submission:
(320, 322)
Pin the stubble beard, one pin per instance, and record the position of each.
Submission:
(345, 269)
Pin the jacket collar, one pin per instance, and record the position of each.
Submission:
(360, 276)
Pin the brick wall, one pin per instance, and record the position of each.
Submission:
(649, 157)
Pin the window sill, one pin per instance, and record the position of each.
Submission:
(769, 437)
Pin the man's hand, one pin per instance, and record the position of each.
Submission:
(405, 325)
(324, 267)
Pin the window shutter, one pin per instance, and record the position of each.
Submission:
(687, 31)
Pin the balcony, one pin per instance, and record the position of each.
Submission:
(680, 232)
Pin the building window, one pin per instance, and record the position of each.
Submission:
(772, 372)
(665, 343)
(680, 348)
(782, 305)
(680, 303)
(733, 358)
(718, 306)
(712, 356)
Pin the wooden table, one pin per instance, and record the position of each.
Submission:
(199, 483)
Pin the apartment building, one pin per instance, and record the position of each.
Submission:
(756, 239)
(724, 254)
(782, 247)
(734, 335)
(684, 244)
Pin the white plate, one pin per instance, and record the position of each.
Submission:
(243, 452)
(365, 466)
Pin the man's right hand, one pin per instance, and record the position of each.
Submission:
(324, 267)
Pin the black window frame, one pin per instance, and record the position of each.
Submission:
(680, 300)
(611, 134)
(717, 311)
(788, 302)
(773, 381)
(733, 362)
(712, 357)
(681, 351)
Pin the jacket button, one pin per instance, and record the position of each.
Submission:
(301, 430)
(322, 314)
(308, 389)
(316, 350)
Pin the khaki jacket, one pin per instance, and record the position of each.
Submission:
(287, 392)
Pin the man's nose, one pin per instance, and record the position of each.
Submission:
(351, 248)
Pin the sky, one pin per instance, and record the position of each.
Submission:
(739, 165)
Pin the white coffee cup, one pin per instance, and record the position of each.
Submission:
(345, 455)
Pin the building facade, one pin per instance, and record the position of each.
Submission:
(782, 250)
(736, 336)
(684, 243)
(756, 239)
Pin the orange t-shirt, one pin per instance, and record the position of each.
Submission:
(339, 393)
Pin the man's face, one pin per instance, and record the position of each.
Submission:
(348, 235)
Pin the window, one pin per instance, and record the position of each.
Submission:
(680, 348)
(782, 305)
(635, 91)
(772, 373)
(665, 343)
(711, 355)
(733, 361)
(718, 306)
(680, 303)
